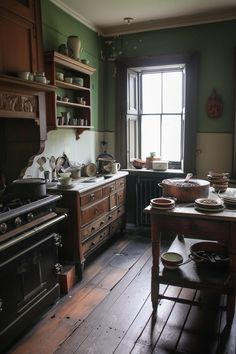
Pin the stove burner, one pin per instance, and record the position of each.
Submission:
(9, 203)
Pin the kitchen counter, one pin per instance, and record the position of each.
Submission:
(86, 183)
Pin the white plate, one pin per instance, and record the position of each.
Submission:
(229, 194)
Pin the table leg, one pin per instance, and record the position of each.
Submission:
(155, 263)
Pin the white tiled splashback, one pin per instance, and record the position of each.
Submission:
(84, 150)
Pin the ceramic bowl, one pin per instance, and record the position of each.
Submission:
(78, 81)
(65, 181)
(69, 80)
(137, 163)
(64, 174)
(60, 76)
(171, 260)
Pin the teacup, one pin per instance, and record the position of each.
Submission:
(65, 181)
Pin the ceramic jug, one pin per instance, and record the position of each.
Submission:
(74, 46)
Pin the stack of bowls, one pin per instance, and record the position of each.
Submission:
(209, 205)
(218, 180)
(162, 203)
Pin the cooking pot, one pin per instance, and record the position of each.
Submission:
(185, 191)
(31, 188)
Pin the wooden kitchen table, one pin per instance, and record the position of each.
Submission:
(186, 221)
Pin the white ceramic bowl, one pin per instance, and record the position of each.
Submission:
(171, 260)
(60, 76)
(64, 174)
(69, 80)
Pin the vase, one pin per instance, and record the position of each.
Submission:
(74, 46)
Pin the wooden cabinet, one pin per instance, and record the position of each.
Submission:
(99, 214)
(63, 107)
(94, 217)
(20, 36)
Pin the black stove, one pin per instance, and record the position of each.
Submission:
(15, 212)
(29, 262)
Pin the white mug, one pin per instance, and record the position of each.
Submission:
(115, 167)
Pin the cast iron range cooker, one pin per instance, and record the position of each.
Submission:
(29, 267)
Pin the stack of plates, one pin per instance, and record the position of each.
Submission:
(219, 181)
(229, 197)
(209, 205)
(162, 203)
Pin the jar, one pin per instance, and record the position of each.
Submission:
(74, 46)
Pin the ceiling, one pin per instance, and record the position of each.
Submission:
(107, 16)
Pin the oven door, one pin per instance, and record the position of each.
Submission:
(29, 278)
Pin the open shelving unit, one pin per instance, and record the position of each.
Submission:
(57, 62)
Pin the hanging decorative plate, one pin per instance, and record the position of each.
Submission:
(214, 106)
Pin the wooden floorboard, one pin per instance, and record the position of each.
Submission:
(109, 311)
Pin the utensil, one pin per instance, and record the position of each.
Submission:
(41, 161)
(187, 178)
(52, 162)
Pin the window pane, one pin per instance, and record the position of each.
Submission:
(172, 92)
(151, 93)
(150, 140)
(171, 138)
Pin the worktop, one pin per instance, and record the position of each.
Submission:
(84, 184)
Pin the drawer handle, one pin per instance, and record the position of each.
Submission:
(112, 189)
(118, 211)
(102, 222)
(93, 228)
(109, 217)
(92, 196)
(96, 211)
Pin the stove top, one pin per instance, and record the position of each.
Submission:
(16, 212)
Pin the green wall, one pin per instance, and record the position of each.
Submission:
(215, 44)
(57, 26)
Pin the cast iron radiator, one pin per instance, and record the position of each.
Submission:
(146, 189)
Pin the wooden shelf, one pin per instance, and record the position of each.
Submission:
(57, 62)
(71, 104)
(193, 275)
(67, 85)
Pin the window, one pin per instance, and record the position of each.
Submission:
(162, 113)
(158, 110)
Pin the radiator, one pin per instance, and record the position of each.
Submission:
(145, 191)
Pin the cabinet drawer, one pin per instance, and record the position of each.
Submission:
(116, 226)
(93, 227)
(115, 214)
(121, 197)
(108, 189)
(95, 241)
(91, 197)
(120, 183)
(94, 211)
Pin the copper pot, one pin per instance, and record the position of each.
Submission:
(185, 191)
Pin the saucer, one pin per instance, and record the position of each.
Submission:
(66, 186)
